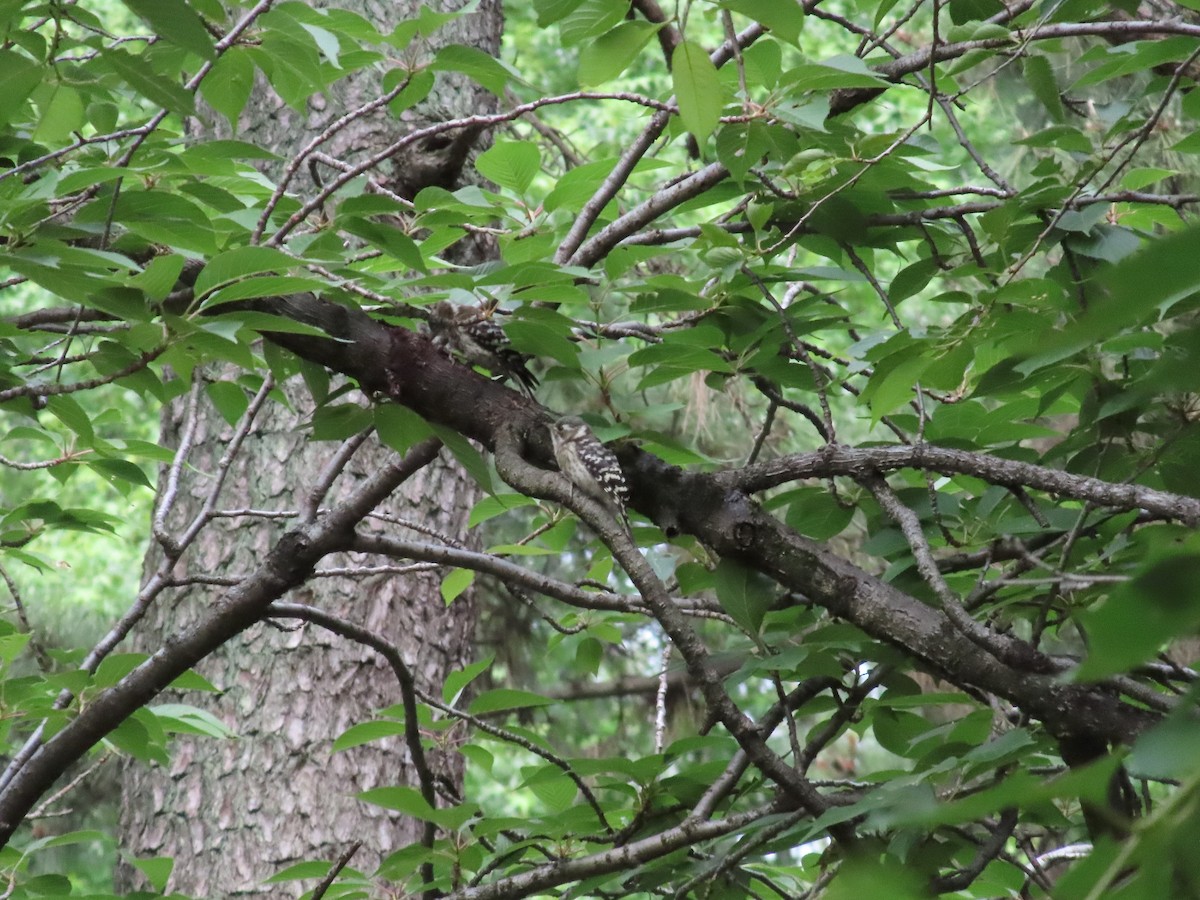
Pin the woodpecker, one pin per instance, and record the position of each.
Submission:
(589, 465)
(480, 341)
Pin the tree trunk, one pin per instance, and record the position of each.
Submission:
(233, 813)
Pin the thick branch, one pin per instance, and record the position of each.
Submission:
(715, 509)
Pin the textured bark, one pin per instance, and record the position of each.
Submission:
(233, 813)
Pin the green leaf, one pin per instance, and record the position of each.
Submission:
(1040, 77)
(402, 799)
(159, 276)
(177, 22)
(180, 718)
(817, 513)
(19, 75)
(388, 238)
(141, 737)
(590, 19)
(61, 114)
(230, 400)
(1155, 278)
(610, 54)
(1167, 750)
(506, 699)
(191, 680)
(68, 411)
(459, 679)
(1159, 604)
(893, 381)
(552, 786)
(697, 89)
(466, 454)
(831, 74)
(399, 427)
(115, 667)
(744, 593)
(336, 422)
(366, 732)
(496, 505)
(480, 66)
(551, 11)
(161, 217)
(262, 286)
(783, 19)
(301, 871)
(228, 84)
(457, 581)
(234, 264)
(511, 164)
(139, 75)
(120, 470)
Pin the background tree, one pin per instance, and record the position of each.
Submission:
(905, 399)
(285, 692)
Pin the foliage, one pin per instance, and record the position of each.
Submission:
(903, 389)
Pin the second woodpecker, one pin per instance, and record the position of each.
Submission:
(480, 341)
(589, 465)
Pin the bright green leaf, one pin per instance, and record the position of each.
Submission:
(697, 89)
(511, 164)
(177, 22)
(455, 582)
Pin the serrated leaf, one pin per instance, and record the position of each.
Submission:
(1142, 615)
(816, 513)
(301, 871)
(697, 89)
(120, 470)
(229, 399)
(157, 870)
(19, 75)
(177, 22)
(228, 84)
(388, 238)
(262, 286)
(495, 505)
(610, 54)
(784, 19)
(743, 593)
(511, 164)
(590, 19)
(1040, 76)
(139, 75)
(480, 66)
(366, 732)
(239, 263)
(399, 427)
(551, 11)
(159, 276)
(460, 678)
(115, 667)
(553, 788)
(181, 718)
(466, 454)
(506, 699)
(402, 799)
(61, 114)
(455, 583)
(191, 680)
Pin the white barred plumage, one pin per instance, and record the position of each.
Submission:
(589, 465)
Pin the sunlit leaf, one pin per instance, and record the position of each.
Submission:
(697, 89)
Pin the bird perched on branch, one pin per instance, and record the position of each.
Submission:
(479, 340)
(589, 465)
